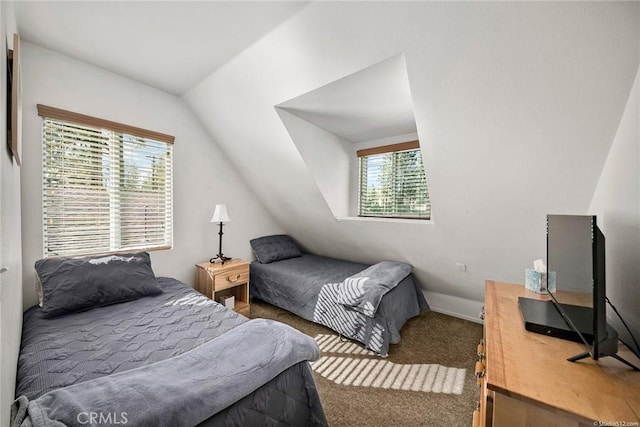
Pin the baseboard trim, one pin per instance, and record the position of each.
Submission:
(461, 308)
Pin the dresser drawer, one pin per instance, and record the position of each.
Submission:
(231, 278)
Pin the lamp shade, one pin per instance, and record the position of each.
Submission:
(221, 214)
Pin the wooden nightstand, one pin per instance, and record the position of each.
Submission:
(231, 278)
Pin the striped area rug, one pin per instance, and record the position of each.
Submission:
(381, 373)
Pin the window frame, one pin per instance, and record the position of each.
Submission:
(121, 135)
(390, 149)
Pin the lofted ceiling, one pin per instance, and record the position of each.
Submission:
(369, 104)
(167, 45)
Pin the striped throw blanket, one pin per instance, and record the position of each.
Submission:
(349, 307)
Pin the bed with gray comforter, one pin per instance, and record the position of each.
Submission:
(173, 359)
(369, 304)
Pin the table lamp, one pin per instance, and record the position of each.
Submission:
(221, 216)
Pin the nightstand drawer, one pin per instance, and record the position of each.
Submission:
(231, 278)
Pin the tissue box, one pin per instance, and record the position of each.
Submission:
(228, 301)
(536, 281)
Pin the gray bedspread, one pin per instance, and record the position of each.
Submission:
(81, 347)
(184, 390)
(295, 285)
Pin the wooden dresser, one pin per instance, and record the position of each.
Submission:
(529, 382)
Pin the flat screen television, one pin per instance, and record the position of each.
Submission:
(577, 308)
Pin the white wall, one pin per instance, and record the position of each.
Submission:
(203, 175)
(617, 204)
(516, 106)
(10, 246)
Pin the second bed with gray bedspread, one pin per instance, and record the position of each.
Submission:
(295, 284)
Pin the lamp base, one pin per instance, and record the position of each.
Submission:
(219, 257)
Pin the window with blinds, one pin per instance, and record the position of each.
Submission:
(393, 183)
(106, 187)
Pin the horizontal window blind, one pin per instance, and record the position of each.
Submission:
(393, 183)
(104, 191)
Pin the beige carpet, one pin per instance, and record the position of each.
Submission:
(438, 351)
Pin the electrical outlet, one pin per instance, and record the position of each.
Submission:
(461, 267)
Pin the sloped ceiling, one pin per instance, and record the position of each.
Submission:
(169, 45)
(369, 104)
(516, 105)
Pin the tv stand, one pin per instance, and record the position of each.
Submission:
(608, 347)
(543, 317)
(528, 381)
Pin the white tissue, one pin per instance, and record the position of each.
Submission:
(538, 265)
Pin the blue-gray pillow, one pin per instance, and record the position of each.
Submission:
(274, 248)
(76, 284)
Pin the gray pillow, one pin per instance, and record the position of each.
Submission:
(75, 284)
(274, 248)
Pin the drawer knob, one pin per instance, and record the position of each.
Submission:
(480, 371)
(229, 279)
(480, 350)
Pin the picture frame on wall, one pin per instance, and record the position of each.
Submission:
(14, 101)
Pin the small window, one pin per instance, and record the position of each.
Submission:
(106, 187)
(393, 183)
